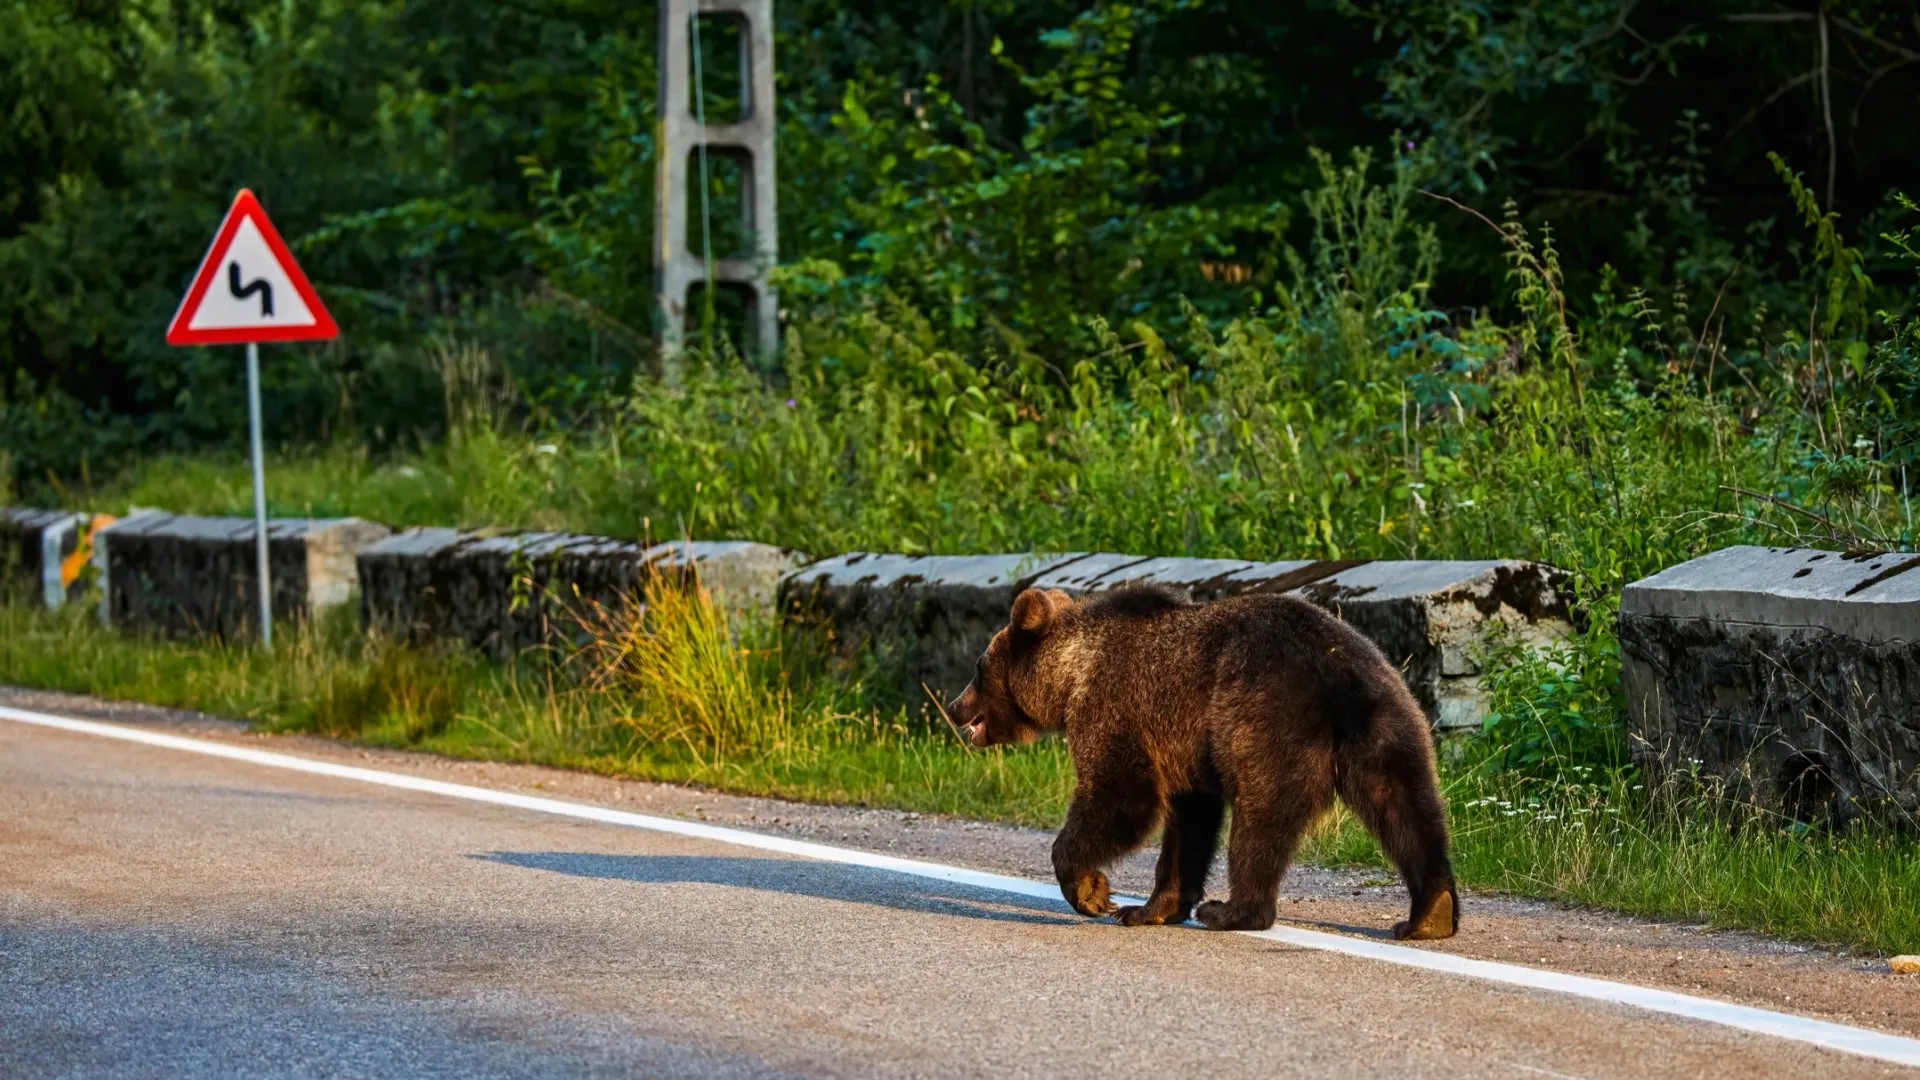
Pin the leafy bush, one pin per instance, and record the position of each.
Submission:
(1555, 716)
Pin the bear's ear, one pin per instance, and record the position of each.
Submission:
(1032, 610)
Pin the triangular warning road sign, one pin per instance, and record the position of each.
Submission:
(249, 288)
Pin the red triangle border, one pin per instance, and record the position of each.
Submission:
(245, 206)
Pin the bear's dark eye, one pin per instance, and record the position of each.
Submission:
(980, 673)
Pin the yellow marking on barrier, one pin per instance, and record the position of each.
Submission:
(72, 566)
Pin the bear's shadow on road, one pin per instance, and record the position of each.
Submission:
(826, 881)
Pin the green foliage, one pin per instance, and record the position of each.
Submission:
(1010, 172)
(1890, 406)
(1848, 286)
(1555, 716)
(1345, 419)
(936, 212)
(1642, 129)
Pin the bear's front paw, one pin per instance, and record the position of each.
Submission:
(1088, 894)
(1219, 915)
(1137, 915)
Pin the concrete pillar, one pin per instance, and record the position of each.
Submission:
(749, 141)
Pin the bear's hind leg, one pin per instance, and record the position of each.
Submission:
(1395, 792)
(1200, 817)
(1260, 845)
(1191, 833)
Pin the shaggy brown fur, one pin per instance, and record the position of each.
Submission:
(1175, 710)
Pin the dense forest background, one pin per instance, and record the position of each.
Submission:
(1015, 179)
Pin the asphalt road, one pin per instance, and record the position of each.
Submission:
(167, 914)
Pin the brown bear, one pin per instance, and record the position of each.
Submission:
(1174, 711)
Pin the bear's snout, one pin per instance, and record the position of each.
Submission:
(960, 710)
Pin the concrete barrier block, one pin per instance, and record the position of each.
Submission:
(505, 593)
(1437, 619)
(1202, 579)
(499, 594)
(44, 553)
(1434, 619)
(928, 615)
(1789, 675)
(745, 575)
(181, 574)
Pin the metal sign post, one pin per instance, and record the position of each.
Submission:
(259, 495)
(249, 290)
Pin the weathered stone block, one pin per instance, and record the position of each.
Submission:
(44, 554)
(502, 594)
(181, 574)
(935, 613)
(1789, 675)
(1203, 579)
(1437, 619)
(927, 615)
(745, 574)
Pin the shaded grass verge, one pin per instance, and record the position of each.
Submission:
(666, 692)
(327, 680)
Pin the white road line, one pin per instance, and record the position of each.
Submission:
(1852, 1040)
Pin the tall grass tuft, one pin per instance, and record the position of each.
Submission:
(688, 676)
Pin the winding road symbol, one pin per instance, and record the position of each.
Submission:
(257, 285)
(248, 261)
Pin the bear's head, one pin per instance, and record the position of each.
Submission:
(988, 711)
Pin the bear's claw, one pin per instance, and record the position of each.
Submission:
(1222, 915)
(1088, 895)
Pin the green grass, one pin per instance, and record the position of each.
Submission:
(481, 479)
(1611, 847)
(329, 681)
(667, 696)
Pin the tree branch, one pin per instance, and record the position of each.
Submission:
(1797, 80)
(1898, 50)
(1872, 79)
